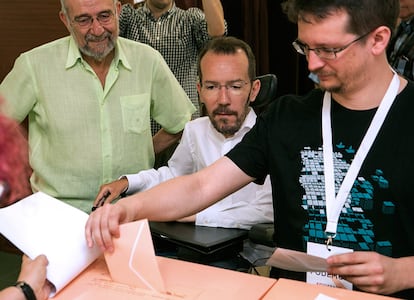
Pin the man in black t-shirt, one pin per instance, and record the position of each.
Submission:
(340, 158)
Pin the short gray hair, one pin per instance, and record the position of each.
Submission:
(64, 8)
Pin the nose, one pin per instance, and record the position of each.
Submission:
(96, 27)
(223, 95)
(314, 61)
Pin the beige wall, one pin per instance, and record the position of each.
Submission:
(25, 24)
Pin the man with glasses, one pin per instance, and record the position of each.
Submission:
(340, 158)
(89, 98)
(226, 87)
(178, 34)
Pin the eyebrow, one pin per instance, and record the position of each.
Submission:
(319, 46)
(227, 82)
(89, 15)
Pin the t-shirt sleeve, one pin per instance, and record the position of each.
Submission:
(250, 155)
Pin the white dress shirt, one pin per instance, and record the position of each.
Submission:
(201, 145)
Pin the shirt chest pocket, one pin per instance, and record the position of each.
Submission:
(136, 113)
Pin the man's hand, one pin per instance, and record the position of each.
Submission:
(111, 191)
(373, 272)
(33, 272)
(103, 224)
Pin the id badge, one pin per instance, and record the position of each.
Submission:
(323, 278)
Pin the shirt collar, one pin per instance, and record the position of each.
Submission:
(249, 121)
(168, 13)
(74, 55)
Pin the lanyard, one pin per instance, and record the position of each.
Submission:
(334, 204)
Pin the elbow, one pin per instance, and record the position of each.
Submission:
(217, 30)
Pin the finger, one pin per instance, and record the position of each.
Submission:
(355, 267)
(25, 259)
(111, 197)
(42, 259)
(109, 227)
(351, 258)
(90, 228)
(47, 289)
(97, 199)
(102, 192)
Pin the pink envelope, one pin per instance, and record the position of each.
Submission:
(133, 262)
(134, 272)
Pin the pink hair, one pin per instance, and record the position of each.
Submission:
(14, 163)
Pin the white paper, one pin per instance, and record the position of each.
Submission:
(40, 224)
(324, 297)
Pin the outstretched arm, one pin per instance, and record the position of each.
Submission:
(214, 17)
(171, 200)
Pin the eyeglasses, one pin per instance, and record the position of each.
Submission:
(323, 52)
(234, 88)
(85, 21)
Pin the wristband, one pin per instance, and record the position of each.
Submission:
(26, 289)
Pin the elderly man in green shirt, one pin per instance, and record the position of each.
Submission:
(89, 98)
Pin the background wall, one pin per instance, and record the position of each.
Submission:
(25, 24)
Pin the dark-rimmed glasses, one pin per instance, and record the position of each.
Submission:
(86, 21)
(323, 52)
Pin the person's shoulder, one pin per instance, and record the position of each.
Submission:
(311, 99)
(52, 49)
(197, 124)
(61, 42)
(134, 46)
(407, 94)
(195, 130)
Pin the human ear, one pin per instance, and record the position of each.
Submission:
(381, 38)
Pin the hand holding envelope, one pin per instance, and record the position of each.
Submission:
(133, 263)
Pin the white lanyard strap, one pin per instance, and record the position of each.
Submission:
(334, 204)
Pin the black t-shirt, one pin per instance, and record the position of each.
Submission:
(286, 143)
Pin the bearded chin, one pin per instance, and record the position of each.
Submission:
(225, 128)
(100, 54)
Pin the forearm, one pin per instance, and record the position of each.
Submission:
(186, 195)
(162, 203)
(12, 293)
(162, 140)
(213, 11)
(406, 272)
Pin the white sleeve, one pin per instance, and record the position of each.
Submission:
(180, 163)
(248, 206)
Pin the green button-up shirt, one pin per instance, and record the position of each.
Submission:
(82, 135)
